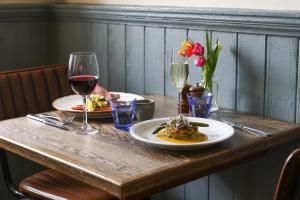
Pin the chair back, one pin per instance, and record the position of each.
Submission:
(31, 90)
(288, 183)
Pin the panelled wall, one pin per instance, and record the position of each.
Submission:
(24, 42)
(257, 71)
(24, 36)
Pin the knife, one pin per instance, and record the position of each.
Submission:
(47, 121)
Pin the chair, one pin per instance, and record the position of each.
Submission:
(32, 90)
(288, 184)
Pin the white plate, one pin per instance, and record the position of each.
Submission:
(217, 132)
(66, 103)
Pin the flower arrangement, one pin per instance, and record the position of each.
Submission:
(207, 62)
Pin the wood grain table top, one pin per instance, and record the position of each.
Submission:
(129, 169)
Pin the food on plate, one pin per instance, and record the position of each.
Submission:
(104, 93)
(95, 103)
(98, 100)
(180, 130)
(77, 107)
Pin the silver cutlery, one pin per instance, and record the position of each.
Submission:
(64, 121)
(250, 130)
(247, 129)
(47, 121)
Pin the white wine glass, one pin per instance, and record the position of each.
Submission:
(179, 73)
(83, 75)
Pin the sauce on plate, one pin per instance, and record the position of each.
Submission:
(196, 138)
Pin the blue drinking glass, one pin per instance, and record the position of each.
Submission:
(123, 112)
(199, 106)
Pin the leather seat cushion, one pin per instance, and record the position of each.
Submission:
(52, 185)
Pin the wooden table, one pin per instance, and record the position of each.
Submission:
(128, 169)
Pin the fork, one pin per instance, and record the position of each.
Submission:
(250, 130)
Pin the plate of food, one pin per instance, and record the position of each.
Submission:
(181, 133)
(97, 105)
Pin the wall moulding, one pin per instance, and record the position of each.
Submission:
(229, 20)
(24, 12)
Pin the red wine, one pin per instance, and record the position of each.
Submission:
(83, 84)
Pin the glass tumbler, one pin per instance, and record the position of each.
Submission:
(200, 106)
(123, 112)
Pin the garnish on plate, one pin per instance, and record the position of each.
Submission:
(180, 130)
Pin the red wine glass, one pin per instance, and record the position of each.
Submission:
(83, 73)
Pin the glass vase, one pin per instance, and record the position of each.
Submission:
(212, 87)
(215, 92)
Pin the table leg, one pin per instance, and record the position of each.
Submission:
(7, 176)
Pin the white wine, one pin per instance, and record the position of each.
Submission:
(179, 74)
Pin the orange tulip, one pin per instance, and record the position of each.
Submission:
(186, 49)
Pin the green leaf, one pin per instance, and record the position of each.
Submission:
(208, 44)
(211, 59)
(216, 53)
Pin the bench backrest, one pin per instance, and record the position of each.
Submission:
(31, 90)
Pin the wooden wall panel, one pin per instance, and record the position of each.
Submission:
(63, 43)
(251, 73)
(154, 60)
(249, 180)
(221, 185)
(30, 47)
(116, 57)
(46, 41)
(225, 73)
(176, 193)
(281, 77)
(197, 189)
(9, 53)
(159, 196)
(99, 46)
(174, 38)
(83, 36)
(271, 165)
(298, 86)
(135, 74)
(71, 37)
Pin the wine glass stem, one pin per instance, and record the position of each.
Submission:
(84, 124)
(179, 102)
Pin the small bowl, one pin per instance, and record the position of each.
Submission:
(145, 109)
